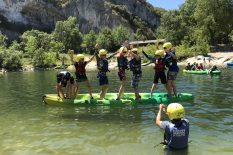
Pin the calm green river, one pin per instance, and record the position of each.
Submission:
(28, 127)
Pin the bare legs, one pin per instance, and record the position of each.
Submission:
(69, 91)
(172, 87)
(103, 91)
(152, 90)
(122, 89)
(87, 84)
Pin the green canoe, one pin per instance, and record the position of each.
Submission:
(217, 72)
(110, 99)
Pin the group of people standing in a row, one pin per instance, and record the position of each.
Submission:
(164, 59)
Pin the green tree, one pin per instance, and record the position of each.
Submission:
(33, 40)
(214, 20)
(172, 28)
(67, 32)
(105, 39)
(3, 40)
(89, 42)
(120, 34)
(12, 60)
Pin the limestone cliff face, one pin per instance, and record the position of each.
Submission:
(20, 15)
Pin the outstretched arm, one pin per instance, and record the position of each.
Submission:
(91, 58)
(134, 55)
(148, 56)
(112, 55)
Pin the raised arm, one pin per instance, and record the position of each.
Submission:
(91, 58)
(158, 117)
(71, 54)
(97, 57)
(148, 56)
(134, 55)
(173, 55)
(112, 55)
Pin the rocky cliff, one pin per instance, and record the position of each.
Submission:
(16, 16)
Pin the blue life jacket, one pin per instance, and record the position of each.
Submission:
(135, 66)
(176, 136)
(170, 62)
(122, 63)
(102, 65)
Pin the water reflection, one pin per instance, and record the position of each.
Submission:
(30, 127)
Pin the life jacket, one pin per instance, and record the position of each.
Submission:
(80, 67)
(65, 76)
(159, 65)
(170, 62)
(122, 62)
(200, 67)
(135, 66)
(102, 65)
(176, 136)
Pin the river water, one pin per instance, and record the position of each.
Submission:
(29, 127)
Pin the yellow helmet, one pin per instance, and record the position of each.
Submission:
(102, 52)
(175, 111)
(123, 49)
(79, 57)
(134, 50)
(167, 45)
(160, 53)
(71, 68)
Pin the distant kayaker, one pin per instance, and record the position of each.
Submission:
(176, 131)
(200, 66)
(170, 60)
(213, 68)
(65, 79)
(135, 67)
(122, 63)
(193, 66)
(80, 72)
(188, 67)
(159, 68)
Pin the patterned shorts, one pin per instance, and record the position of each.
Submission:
(135, 80)
(171, 75)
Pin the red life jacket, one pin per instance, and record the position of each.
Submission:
(159, 65)
(80, 67)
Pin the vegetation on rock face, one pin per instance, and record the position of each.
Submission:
(44, 50)
(197, 25)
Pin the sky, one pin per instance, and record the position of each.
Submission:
(166, 4)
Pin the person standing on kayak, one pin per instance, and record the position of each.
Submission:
(159, 68)
(102, 65)
(80, 73)
(135, 67)
(65, 79)
(176, 131)
(170, 61)
(122, 63)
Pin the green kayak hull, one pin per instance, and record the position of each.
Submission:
(110, 99)
(217, 72)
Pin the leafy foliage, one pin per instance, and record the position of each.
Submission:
(105, 39)
(89, 41)
(67, 32)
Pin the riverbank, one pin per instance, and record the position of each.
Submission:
(218, 58)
